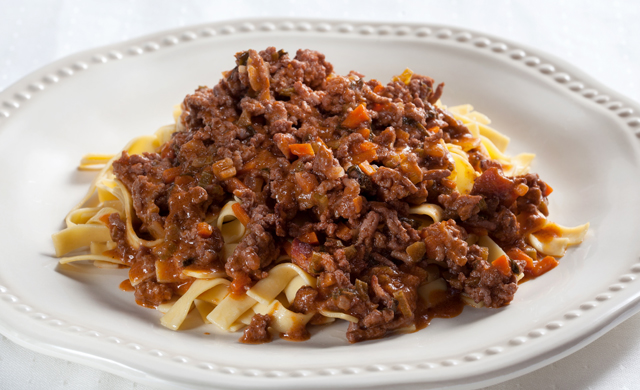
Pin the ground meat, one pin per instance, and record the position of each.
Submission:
(325, 165)
(368, 228)
(463, 206)
(258, 331)
(304, 301)
(397, 233)
(493, 184)
(256, 251)
(445, 242)
(392, 184)
(325, 168)
(151, 294)
(395, 294)
(507, 227)
(344, 204)
(316, 69)
(337, 95)
(129, 168)
(488, 285)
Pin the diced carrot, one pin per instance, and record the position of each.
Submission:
(283, 142)
(503, 265)
(183, 180)
(518, 254)
(343, 231)
(357, 203)
(548, 190)
(365, 151)
(242, 215)
(234, 184)
(224, 168)
(287, 248)
(378, 88)
(169, 175)
(306, 181)
(167, 151)
(204, 230)
(356, 117)
(368, 156)
(309, 238)
(544, 265)
(377, 107)
(434, 129)
(367, 168)
(412, 170)
(405, 76)
(252, 164)
(401, 134)
(366, 146)
(521, 189)
(301, 150)
(364, 132)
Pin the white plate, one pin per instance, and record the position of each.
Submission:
(584, 134)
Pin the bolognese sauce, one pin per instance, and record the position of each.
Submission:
(325, 170)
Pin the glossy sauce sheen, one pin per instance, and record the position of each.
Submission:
(450, 307)
(548, 233)
(299, 332)
(126, 286)
(325, 168)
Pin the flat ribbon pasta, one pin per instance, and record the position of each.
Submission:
(230, 226)
(211, 292)
(174, 318)
(433, 211)
(553, 239)
(231, 308)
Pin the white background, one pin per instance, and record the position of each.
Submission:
(601, 37)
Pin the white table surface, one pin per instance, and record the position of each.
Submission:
(601, 37)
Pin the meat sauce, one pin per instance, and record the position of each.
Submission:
(450, 305)
(325, 168)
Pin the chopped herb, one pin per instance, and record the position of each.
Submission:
(241, 58)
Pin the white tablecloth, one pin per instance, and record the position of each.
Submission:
(601, 37)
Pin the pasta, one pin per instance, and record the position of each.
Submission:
(289, 196)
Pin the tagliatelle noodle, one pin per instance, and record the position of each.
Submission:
(264, 292)
(230, 226)
(464, 175)
(210, 291)
(179, 310)
(558, 243)
(431, 210)
(85, 226)
(494, 249)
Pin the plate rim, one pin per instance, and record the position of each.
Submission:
(620, 107)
